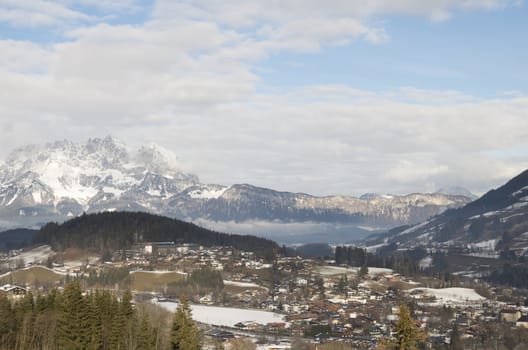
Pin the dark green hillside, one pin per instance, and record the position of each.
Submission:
(16, 238)
(117, 230)
(495, 199)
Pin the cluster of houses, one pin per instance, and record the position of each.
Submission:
(190, 254)
(323, 306)
(361, 312)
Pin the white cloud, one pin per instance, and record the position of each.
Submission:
(239, 13)
(23, 56)
(186, 79)
(106, 5)
(38, 13)
(407, 171)
(46, 13)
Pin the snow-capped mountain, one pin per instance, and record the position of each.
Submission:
(64, 179)
(242, 202)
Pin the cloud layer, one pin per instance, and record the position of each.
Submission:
(187, 78)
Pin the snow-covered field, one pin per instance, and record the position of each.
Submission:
(242, 284)
(159, 272)
(225, 316)
(37, 255)
(337, 270)
(445, 296)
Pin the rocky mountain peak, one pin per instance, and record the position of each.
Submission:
(157, 159)
(94, 173)
(111, 151)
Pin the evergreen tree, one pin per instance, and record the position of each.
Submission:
(105, 307)
(95, 339)
(342, 284)
(126, 305)
(408, 336)
(184, 333)
(25, 319)
(74, 323)
(455, 343)
(40, 303)
(118, 327)
(129, 320)
(146, 338)
(7, 324)
(363, 271)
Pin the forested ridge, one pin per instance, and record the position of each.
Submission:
(111, 231)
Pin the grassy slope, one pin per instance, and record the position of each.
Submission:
(31, 276)
(153, 282)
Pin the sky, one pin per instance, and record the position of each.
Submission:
(323, 97)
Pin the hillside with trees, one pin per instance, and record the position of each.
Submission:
(111, 231)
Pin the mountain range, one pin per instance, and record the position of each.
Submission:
(63, 179)
(491, 230)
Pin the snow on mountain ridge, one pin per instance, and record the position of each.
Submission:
(207, 192)
(81, 171)
(63, 179)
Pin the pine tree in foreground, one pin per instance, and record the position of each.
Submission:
(408, 336)
(184, 333)
(74, 323)
(7, 323)
(146, 338)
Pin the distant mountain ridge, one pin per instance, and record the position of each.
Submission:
(457, 191)
(63, 179)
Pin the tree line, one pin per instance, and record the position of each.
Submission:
(73, 320)
(405, 263)
(98, 320)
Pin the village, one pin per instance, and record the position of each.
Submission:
(276, 303)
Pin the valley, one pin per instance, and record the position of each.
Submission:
(61, 180)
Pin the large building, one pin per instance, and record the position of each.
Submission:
(164, 248)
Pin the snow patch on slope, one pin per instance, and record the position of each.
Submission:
(226, 316)
(207, 193)
(448, 296)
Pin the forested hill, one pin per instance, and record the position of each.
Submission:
(110, 231)
(16, 238)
